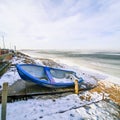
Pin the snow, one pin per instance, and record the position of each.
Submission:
(10, 76)
(69, 107)
(38, 62)
(44, 109)
(64, 80)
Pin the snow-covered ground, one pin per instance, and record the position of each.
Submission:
(70, 107)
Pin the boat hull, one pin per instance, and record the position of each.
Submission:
(46, 76)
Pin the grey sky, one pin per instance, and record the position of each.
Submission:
(60, 24)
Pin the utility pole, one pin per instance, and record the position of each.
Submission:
(3, 41)
(15, 47)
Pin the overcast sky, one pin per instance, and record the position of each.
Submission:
(60, 24)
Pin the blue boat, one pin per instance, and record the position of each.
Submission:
(47, 76)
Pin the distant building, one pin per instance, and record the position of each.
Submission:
(4, 51)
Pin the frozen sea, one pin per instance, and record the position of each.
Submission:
(104, 61)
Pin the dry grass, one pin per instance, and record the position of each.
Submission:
(109, 88)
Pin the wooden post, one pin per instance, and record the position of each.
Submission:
(4, 101)
(76, 87)
(103, 96)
